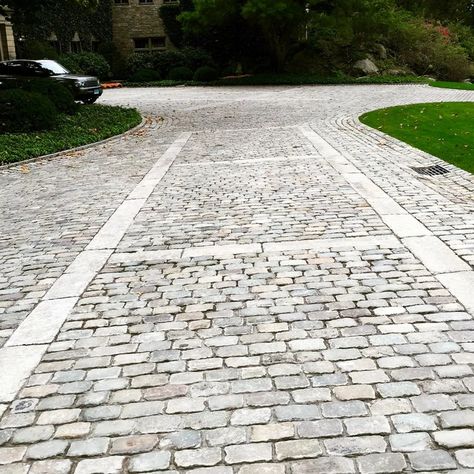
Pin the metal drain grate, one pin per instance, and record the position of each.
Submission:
(434, 170)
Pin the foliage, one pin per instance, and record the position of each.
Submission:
(57, 93)
(145, 75)
(349, 30)
(454, 10)
(92, 64)
(277, 22)
(181, 73)
(22, 111)
(427, 50)
(164, 61)
(114, 58)
(206, 74)
(37, 49)
(91, 124)
(442, 129)
(287, 79)
(169, 14)
(453, 85)
(37, 19)
(301, 79)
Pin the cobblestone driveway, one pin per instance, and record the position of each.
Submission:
(253, 283)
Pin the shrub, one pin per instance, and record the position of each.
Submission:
(428, 49)
(57, 93)
(182, 73)
(115, 59)
(164, 61)
(195, 58)
(92, 64)
(145, 75)
(35, 49)
(206, 74)
(22, 111)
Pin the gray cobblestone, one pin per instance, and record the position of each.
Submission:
(267, 333)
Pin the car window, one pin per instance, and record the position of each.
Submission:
(35, 69)
(13, 68)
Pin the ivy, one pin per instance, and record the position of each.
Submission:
(65, 18)
(169, 15)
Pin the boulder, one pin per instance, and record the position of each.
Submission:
(366, 66)
(380, 51)
(399, 72)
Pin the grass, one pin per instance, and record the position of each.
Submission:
(453, 85)
(285, 79)
(441, 129)
(91, 124)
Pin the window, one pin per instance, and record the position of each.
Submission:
(145, 2)
(121, 2)
(148, 44)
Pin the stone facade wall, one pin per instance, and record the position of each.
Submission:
(136, 20)
(7, 42)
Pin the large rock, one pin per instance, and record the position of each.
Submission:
(366, 66)
(380, 51)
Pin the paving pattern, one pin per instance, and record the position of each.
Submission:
(254, 282)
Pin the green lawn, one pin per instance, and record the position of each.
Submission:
(91, 124)
(453, 85)
(442, 129)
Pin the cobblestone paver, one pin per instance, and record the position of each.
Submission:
(262, 313)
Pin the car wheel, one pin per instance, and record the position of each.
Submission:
(91, 100)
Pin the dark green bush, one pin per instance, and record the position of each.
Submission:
(206, 74)
(22, 111)
(92, 64)
(195, 58)
(112, 55)
(35, 49)
(57, 93)
(145, 75)
(164, 61)
(182, 73)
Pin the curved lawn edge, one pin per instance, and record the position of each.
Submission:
(452, 85)
(105, 135)
(441, 129)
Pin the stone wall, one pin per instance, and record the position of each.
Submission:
(135, 20)
(7, 42)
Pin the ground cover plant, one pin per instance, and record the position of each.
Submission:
(441, 129)
(453, 85)
(90, 124)
(284, 79)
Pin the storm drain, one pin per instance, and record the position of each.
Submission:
(434, 170)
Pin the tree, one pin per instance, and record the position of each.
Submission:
(280, 23)
(452, 10)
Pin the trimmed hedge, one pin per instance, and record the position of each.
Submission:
(57, 93)
(91, 64)
(182, 73)
(206, 74)
(145, 75)
(23, 111)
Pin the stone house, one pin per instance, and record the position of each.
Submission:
(7, 42)
(137, 26)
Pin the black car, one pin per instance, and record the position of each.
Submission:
(84, 88)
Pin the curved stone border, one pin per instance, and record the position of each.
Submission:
(79, 148)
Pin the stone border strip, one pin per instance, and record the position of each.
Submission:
(237, 249)
(25, 347)
(451, 270)
(73, 150)
(249, 162)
